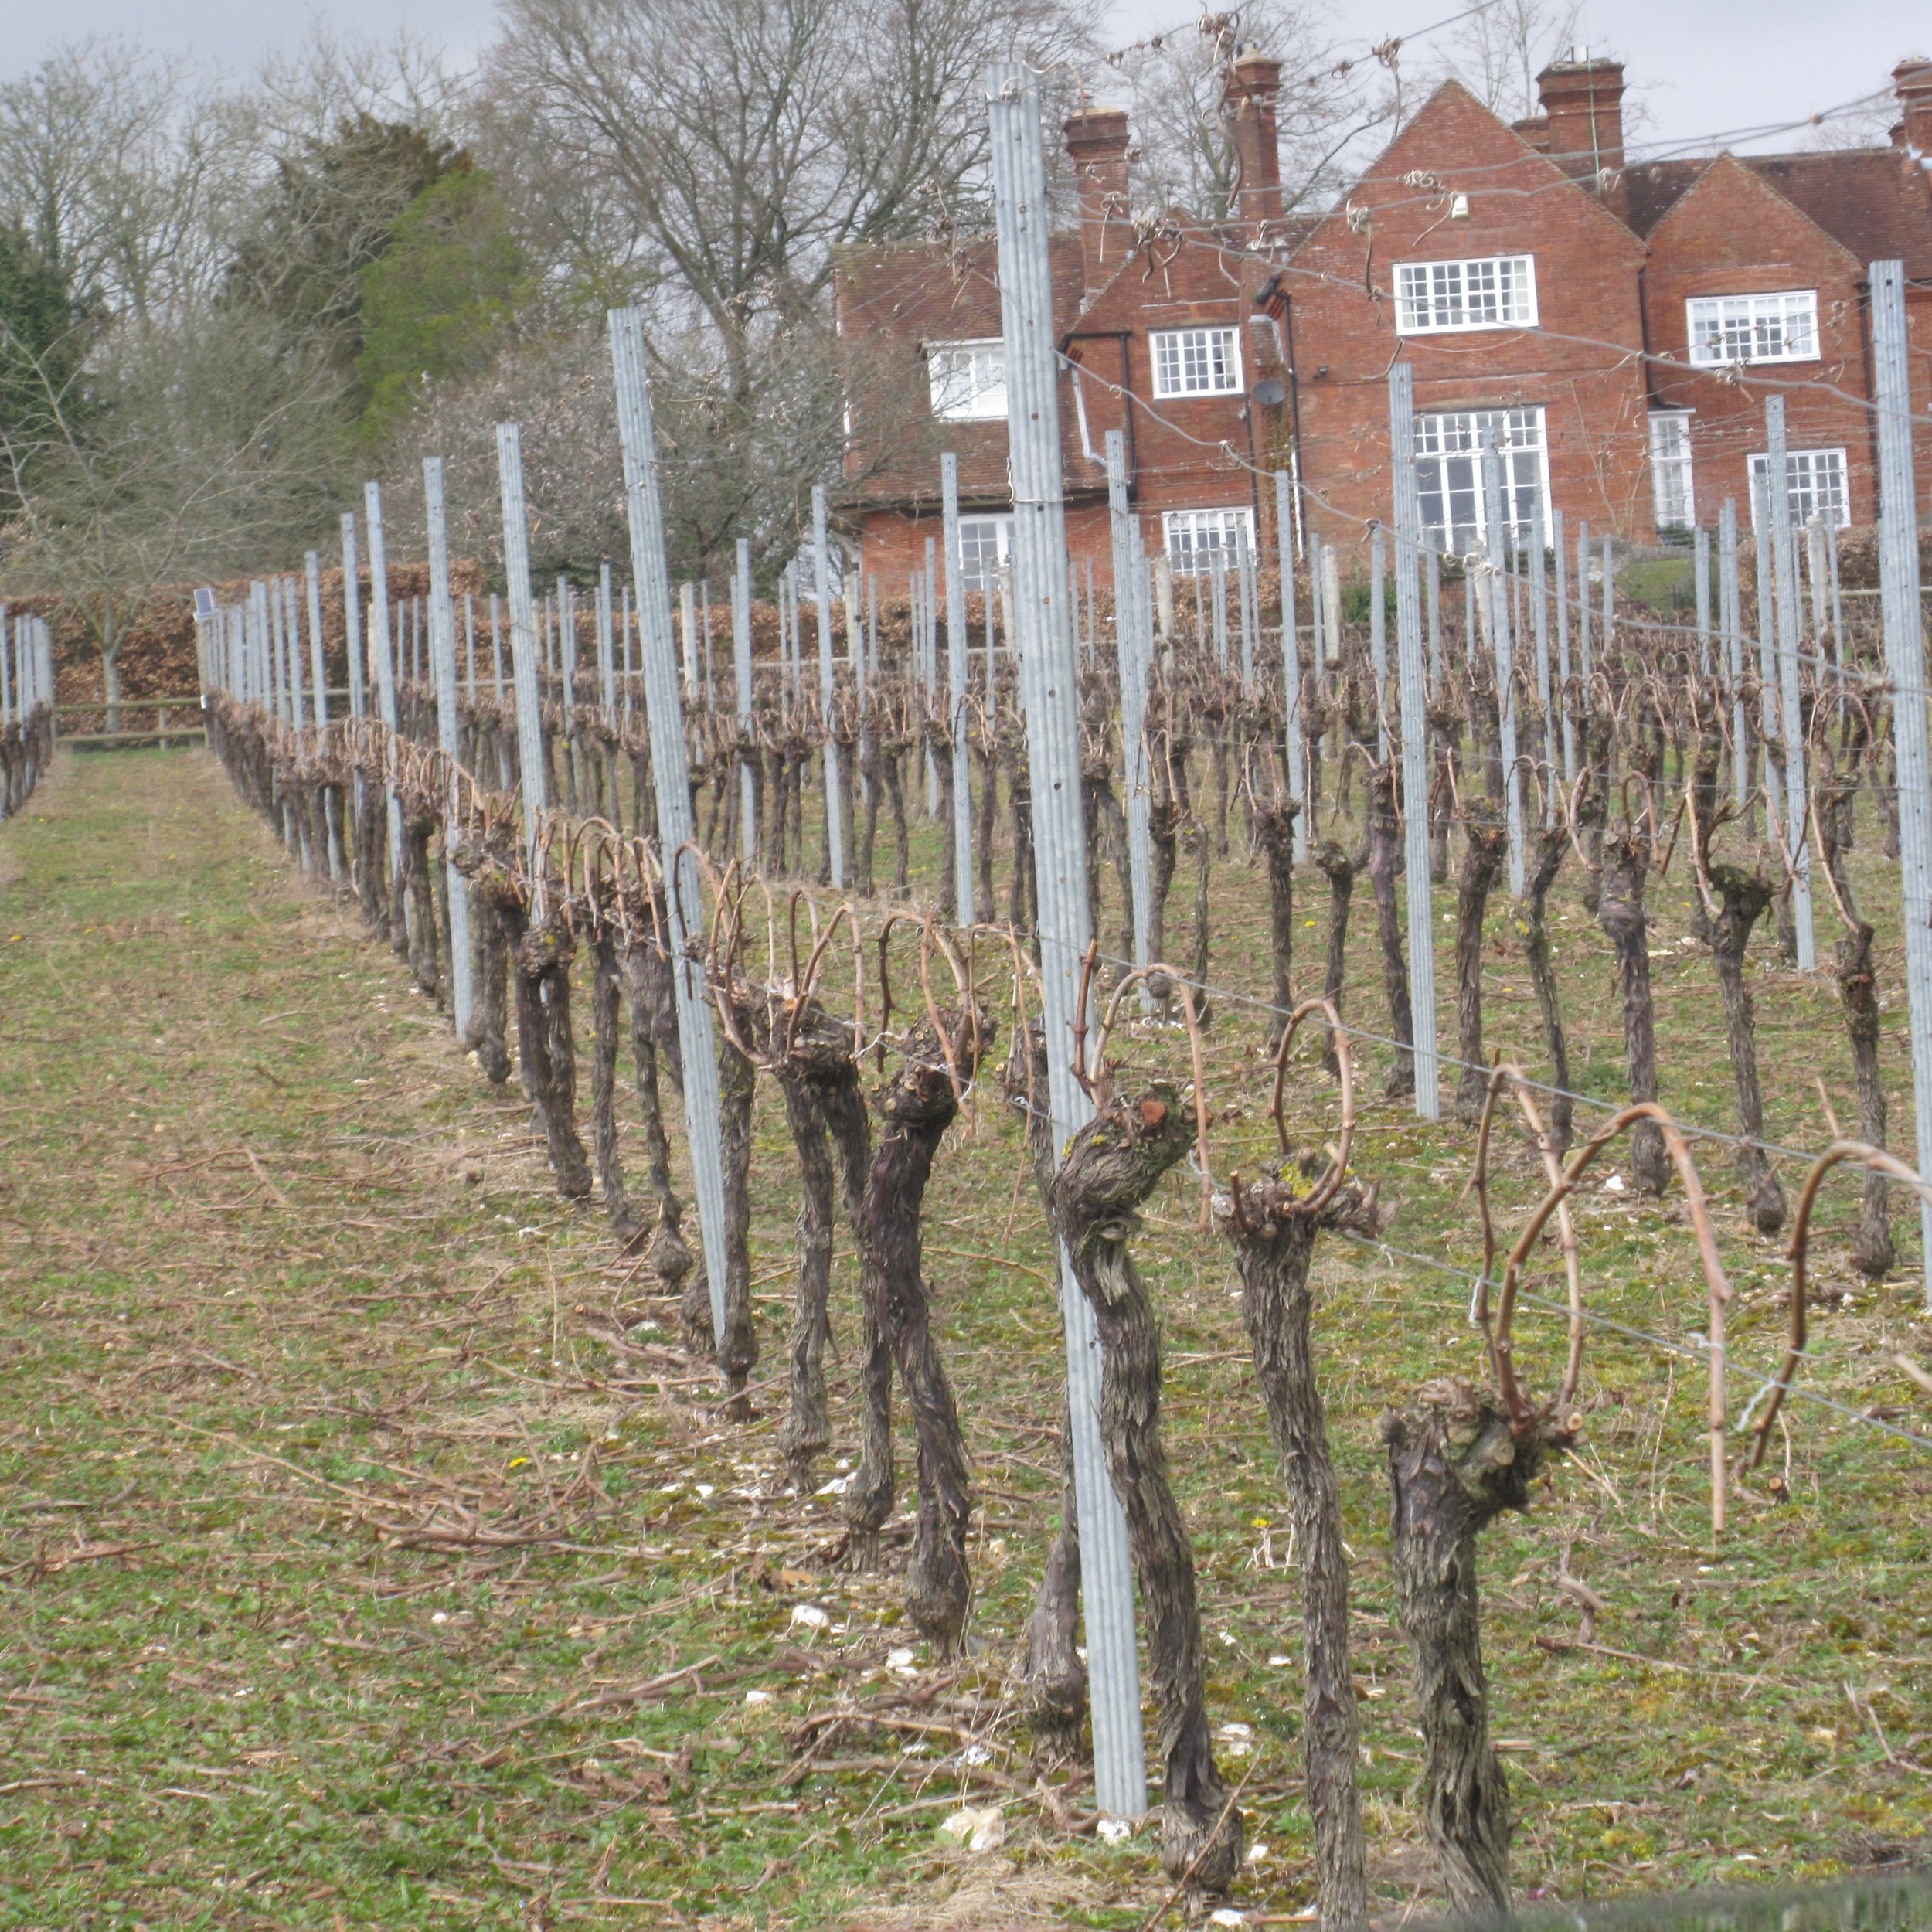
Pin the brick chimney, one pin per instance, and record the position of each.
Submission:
(1582, 102)
(1913, 81)
(1248, 97)
(1097, 140)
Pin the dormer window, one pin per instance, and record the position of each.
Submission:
(1777, 328)
(1491, 291)
(969, 380)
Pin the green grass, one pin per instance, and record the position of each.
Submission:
(286, 1293)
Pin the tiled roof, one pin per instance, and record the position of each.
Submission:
(1871, 200)
(1654, 188)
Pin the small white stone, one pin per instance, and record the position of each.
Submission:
(809, 1616)
(1113, 1831)
(441, 1617)
(757, 1697)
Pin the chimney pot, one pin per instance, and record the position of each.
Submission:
(1248, 96)
(1097, 140)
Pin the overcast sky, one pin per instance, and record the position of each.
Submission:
(1703, 67)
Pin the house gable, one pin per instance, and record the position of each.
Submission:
(1733, 218)
(1455, 145)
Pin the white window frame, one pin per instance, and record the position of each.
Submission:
(1672, 476)
(1802, 472)
(974, 573)
(1227, 528)
(967, 379)
(1214, 351)
(1719, 328)
(1435, 298)
(1450, 474)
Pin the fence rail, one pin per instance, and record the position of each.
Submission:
(166, 726)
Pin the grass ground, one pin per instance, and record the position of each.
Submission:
(361, 1567)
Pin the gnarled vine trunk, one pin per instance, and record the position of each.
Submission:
(1620, 911)
(1274, 1240)
(1454, 1464)
(1485, 843)
(916, 1106)
(1109, 1168)
(1742, 898)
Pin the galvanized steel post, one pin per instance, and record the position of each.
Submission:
(670, 776)
(443, 669)
(1050, 695)
(379, 649)
(1902, 615)
(741, 674)
(1798, 825)
(827, 691)
(1730, 624)
(1413, 698)
(1133, 651)
(523, 645)
(957, 652)
(1496, 545)
(1292, 725)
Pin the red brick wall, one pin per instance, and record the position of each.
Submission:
(1732, 234)
(1583, 368)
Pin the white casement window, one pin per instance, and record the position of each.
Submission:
(1194, 536)
(1197, 361)
(1815, 481)
(1449, 453)
(969, 380)
(1670, 469)
(985, 543)
(1493, 291)
(1780, 328)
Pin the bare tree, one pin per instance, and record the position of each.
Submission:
(109, 160)
(1185, 155)
(1499, 50)
(193, 450)
(746, 142)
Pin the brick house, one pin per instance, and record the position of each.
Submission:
(1617, 325)
(1161, 309)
